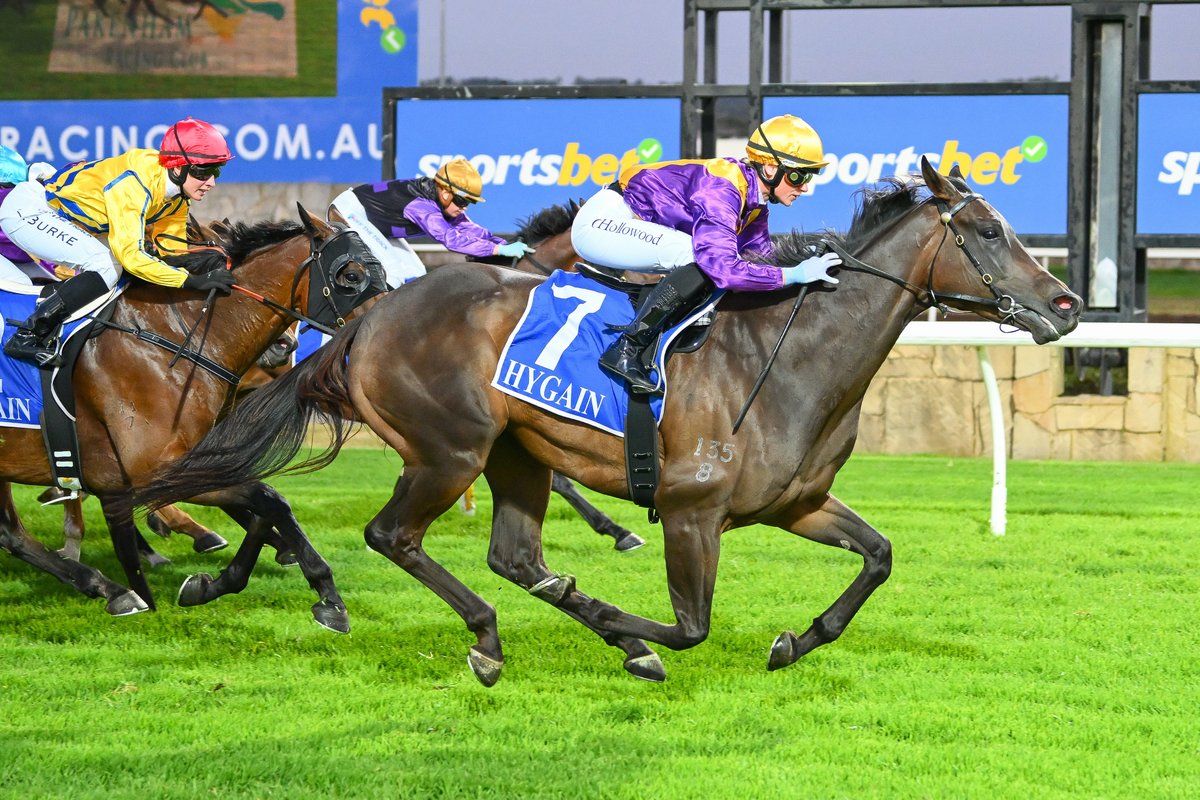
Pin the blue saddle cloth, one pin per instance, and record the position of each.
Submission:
(21, 398)
(551, 357)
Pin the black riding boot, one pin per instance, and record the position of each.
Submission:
(669, 301)
(34, 340)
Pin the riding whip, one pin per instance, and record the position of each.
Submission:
(762, 376)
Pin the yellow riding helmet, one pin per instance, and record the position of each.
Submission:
(786, 141)
(462, 179)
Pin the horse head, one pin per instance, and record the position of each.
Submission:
(988, 270)
(343, 273)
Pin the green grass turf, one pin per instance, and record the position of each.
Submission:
(1057, 661)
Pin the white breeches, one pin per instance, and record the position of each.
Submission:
(606, 232)
(400, 263)
(42, 233)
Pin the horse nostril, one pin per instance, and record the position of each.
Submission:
(1066, 304)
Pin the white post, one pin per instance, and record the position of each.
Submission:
(999, 444)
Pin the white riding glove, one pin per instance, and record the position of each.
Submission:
(812, 269)
(41, 171)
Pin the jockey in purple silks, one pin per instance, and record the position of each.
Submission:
(398, 210)
(694, 220)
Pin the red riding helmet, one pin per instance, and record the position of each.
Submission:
(192, 141)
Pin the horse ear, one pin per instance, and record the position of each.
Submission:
(955, 172)
(316, 227)
(938, 184)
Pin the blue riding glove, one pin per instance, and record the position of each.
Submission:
(812, 269)
(513, 250)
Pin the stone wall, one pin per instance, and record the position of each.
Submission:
(932, 400)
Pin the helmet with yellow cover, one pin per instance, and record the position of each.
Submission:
(460, 179)
(787, 142)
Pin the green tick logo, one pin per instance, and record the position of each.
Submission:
(649, 150)
(1034, 149)
(393, 40)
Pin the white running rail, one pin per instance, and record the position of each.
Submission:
(981, 335)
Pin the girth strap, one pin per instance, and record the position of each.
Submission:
(198, 359)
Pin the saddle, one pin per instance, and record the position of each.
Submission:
(688, 341)
(641, 428)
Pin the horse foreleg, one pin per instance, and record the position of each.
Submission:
(172, 518)
(519, 500)
(125, 536)
(88, 580)
(625, 540)
(419, 497)
(836, 525)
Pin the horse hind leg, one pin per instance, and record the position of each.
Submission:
(624, 540)
(88, 580)
(172, 519)
(835, 524)
(420, 496)
(520, 498)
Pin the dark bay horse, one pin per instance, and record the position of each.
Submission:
(138, 406)
(430, 397)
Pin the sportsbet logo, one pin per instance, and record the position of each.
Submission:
(982, 168)
(535, 168)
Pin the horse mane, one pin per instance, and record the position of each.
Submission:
(548, 222)
(240, 240)
(877, 208)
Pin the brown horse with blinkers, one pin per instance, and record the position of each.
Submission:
(137, 408)
(430, 397)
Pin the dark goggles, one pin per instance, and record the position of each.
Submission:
(799, 177)
(460, 201)
(203, 172)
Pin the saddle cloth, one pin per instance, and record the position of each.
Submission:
(550, 360)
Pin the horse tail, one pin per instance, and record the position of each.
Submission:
(264, 433)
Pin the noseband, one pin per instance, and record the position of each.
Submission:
(1003, 304)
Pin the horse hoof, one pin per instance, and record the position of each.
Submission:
(487, 669)
(628, 541)
(783, 651)
(209, 543)
(553, 589)
(648, 667)
(126, 603)
(155, 560)
(331, 616)
(158, 525)
(193, 590)
(286, 558)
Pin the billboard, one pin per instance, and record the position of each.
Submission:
(294, 84)
(1168, 196)
(1011, 148)
(533, 154)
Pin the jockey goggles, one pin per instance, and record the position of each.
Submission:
(799, 177)
(460, 201)
(203, 172)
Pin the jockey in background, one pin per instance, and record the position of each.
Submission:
(15, 264)
(694, 220)
(126, 198)
(436, 207)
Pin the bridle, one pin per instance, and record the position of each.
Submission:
(331, 299)
(1002, 304)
